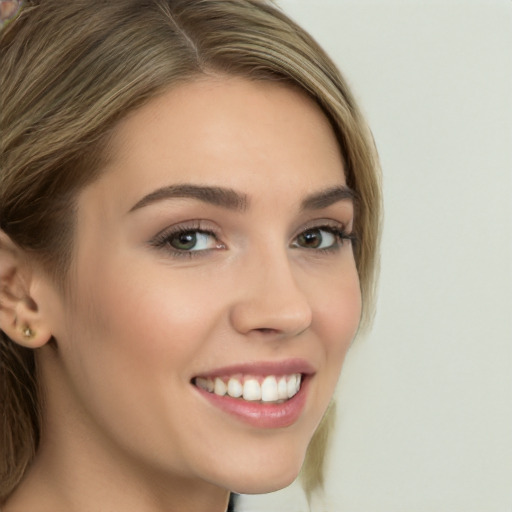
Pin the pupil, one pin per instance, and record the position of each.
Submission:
(312, 239)
(184, 241)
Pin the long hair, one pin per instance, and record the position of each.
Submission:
(70, 71)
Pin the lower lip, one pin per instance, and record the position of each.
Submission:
(258, 414)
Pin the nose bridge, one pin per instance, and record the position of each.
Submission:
(270, 298)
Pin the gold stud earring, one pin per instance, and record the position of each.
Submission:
(28, 332)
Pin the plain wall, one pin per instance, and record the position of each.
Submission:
(425, 401)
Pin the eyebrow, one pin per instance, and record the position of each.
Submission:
(218, 196)
(327, 197)
(233, 200)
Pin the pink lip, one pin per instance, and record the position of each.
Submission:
(262, 415)
(286, 367)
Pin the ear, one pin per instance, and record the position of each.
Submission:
(20, 315)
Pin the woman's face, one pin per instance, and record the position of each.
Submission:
(214, 252)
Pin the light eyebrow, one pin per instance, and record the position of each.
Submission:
(327, 197)
(218, 196)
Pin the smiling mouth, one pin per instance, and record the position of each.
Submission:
(270, 389)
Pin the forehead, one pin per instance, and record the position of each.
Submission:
(229, 131)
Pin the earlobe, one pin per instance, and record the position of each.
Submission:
(20, 316)
(31, 338)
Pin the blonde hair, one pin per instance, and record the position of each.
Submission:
(71, 71)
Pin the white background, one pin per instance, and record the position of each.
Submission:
(425, 401)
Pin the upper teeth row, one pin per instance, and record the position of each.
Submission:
(270, 390)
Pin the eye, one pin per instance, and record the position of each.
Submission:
(192, 241)
(185, 240)
(323, 238)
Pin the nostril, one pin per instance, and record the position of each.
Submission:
(266, 330)
(281, 311)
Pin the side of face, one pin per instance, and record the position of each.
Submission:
(215, 245)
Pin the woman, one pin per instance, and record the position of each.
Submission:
(189, 208)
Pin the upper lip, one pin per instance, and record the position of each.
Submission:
(264, 368)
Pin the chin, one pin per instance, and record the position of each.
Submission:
(263, 476)
(263, 485)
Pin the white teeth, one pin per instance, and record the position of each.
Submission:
(282, 389)
(292, 385)
(206, 384)
(235, 388)
(297, 383)
(252, 390)
(220, 387)
(269, 389)
(272, 389)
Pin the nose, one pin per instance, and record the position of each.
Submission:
(270, 300)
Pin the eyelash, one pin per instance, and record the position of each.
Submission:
(340, 234)
(163, 239)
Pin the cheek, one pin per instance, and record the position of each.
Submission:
(152, 318)
(338, 311)
(336, 320)
(135, 332)
(135, 338)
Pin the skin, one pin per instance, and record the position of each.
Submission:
(7, 9)
(123, 425)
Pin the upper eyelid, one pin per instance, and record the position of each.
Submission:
(333, 229)
(189, 226)
(163, 235)
(323, 223)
